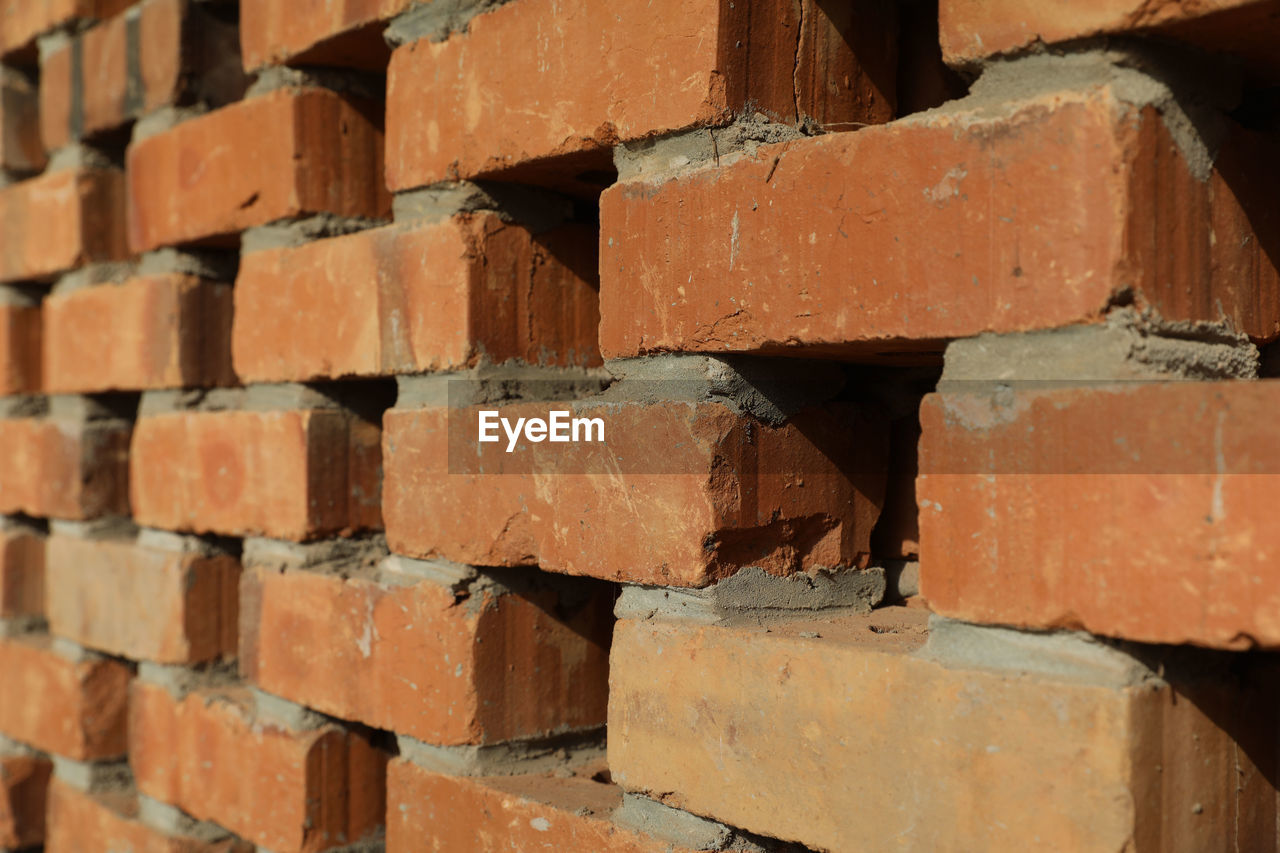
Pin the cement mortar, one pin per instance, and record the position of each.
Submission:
(93, 777)
(436, 20)
(511, 758)
(657, 159)
(536, 209)
(291, 233)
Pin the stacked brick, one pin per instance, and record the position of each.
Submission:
(929, 341)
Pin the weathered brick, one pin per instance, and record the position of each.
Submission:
(500, 99)
(22, 20)
(20, 331)
(412, 298)
(296, 474)
(409, 656)
(60, 220)
(1040, 214)
(72, 708)
(22, 557)
(162, 331)
(95, 588)
(288, 153)
(882, 748)
(24, 779)
(20, 148)
(679, 494)
(64, 467)
(346, 33)
(287, 790)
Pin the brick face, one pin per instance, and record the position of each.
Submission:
(20, 148)
(20, 335)
(60, 220)
(63, 467)
(24, 779)
(22, 572)
(317, 32)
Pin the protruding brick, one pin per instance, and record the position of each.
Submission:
(288, 153)
(880, 747)
(289, 474)
(22, 20)
(501, 100)
(415, 298)
(72, 708)
(161, 331)
(20, 332)
(346, 33)
(678, 494)
(24, 779)
(1043, 213)
(97, 586)
(290, 791)
(416, 658)
(22, 557)
(61, 220)
(64, 467)
(20, 148)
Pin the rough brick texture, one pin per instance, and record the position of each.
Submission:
(24, 780)
(21, 21)
(317, 32)
(20, 148)
(60, 220)
(20, 335)
(22, 558)
(64, 467)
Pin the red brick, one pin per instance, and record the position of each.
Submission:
(23, 782)
(64, 467)
(292, 152)
(284, 474)
(286, 790)
(81, 822)
(500, 99)
(19, 347)
(74, 709)
(162, 331)
(413, 298)
(955, 223)
(1133, 510)
(317, 32)
(834, 735)
(20, 148)
(22, 552)
(410, 657)
(96, 589)
(60, 220)
(679, 494)
(22, 20)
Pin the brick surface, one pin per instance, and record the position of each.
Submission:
(24, 779)
(411, 658)
(162, 331)
(969, 756)
(500, 99)
(22, 557)
(64, 467)
(948, 225)
(20, 331)
(412, 298)
(60, 220)
(94, 586)
(344, 33)
(22, 20)
(286, 790)
(680, 494)
(74, 709)
(288, 153)
(284, 474)
(20, 148)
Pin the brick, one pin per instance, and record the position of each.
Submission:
(289, 153)
(64, 467)
(20, 148)
(347, 33)
(22, 558)
(1040, 214)
(23, 782)
(412, 298)
(695, 491)
(284, 789)
(61, 220)
(94, 587)
(72, 708)
(82, 822)
(284, 474)
(501, 100)
(163, 331)
(843, 738)
(1162, 540)
(20, 332)
(411, 657)
(22, 20)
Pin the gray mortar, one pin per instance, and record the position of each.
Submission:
(1074, 657)
(181, 680)
(366, 86)
(286, 396)
(374, 842)
(456, 577)
(193, 400)
(17, 626)
(901, 578)
(14, 525)
(24, 406)
(99, 528)
(73, 651)
(290, 233)
(178, 543)
(659, 158)
(215, 266)
(505, 383)
(93, 778)
(268, 708)
(11, 747)
(19, 296)
(165, 119)
(511, 758)
(1126, 347)
(79, 407)
(78, 156)
(93, 275)
(651, 817)
(536, 209)
(331, 555)
(436, 20)
(171, 820)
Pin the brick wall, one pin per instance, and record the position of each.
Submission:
(932, 343)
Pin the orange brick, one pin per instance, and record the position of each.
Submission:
(414, 298)
(22, 20)
(22, 558)
(95, 587)
(23, 782)
(20, 149)
(839, 737)
(291, 152)
(64, 467)
(162, 331)
(285, 474)
(19, 346)
(72, 708)
(61, 220)
(408, 656)
(287, 790)
(679, 494)
(499, 99)
(1037, 215)
(317, 32)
